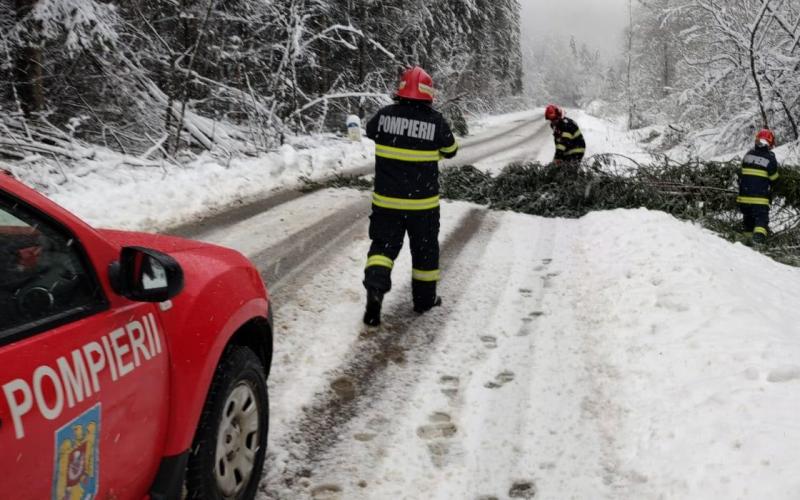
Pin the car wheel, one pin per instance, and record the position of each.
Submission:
(231, 441)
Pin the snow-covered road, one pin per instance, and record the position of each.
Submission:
(622, 355)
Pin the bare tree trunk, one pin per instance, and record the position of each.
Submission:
(667, 74)
(753, 71)
(28, 71)
(190, 66)
(362, 53)
(630, 62)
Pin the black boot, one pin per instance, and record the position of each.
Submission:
(372, 316)
(423, 308)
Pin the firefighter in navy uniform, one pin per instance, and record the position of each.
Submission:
(570, 146)
(759, 172)
(410, 138)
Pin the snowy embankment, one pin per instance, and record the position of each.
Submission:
(603, 136)
(109, 193)
(703, 144)
(697, 344)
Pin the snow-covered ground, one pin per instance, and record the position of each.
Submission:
(108, 193)
(603, 136)
(623, 355)
(608, 136)
(702, 144)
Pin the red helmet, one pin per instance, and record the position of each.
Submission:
(416, 84)
(553, 113)
(766, 136)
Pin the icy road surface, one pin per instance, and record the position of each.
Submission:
(623, 355)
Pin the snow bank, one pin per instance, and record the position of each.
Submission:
(789, 154)
(702, 346)
(106, 192)
(604, 136)
(624, 355)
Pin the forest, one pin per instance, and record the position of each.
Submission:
(152, 79)
(716, 70)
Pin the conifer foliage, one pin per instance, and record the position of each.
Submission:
(704, 192)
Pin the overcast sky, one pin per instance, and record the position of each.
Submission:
(598, 23)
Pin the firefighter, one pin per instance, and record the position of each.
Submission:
(410, 138)
(570, 146)
(759, 172)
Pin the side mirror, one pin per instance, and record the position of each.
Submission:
(146, 275)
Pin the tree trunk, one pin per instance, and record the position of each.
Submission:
(667, 74)
(28, 70)
(753, 71)
(362, 55)
(630, 62)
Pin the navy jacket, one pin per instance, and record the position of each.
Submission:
(570, 144)
(410, 138)
(759, 171)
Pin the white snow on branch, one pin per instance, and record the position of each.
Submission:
(81, 22)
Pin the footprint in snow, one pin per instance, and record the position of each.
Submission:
(449, 385)
(784, 374)
(500, 380)
(441, 426)
(438, 434)
(489, 341)
(364, 436)
(547, 280)
(522, 489)
(345, 388)
(327, 492)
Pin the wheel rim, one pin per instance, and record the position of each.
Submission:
(237, 441)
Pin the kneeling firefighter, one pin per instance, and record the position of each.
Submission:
(410, 138)
(759, 172)
(570, 145)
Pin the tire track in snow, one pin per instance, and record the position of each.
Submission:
(232, 215)
(292, 260)
(361, 377)
(502, 145)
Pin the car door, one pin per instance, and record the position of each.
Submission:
(83, 375)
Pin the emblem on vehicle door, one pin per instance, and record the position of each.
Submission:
(76, 475)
